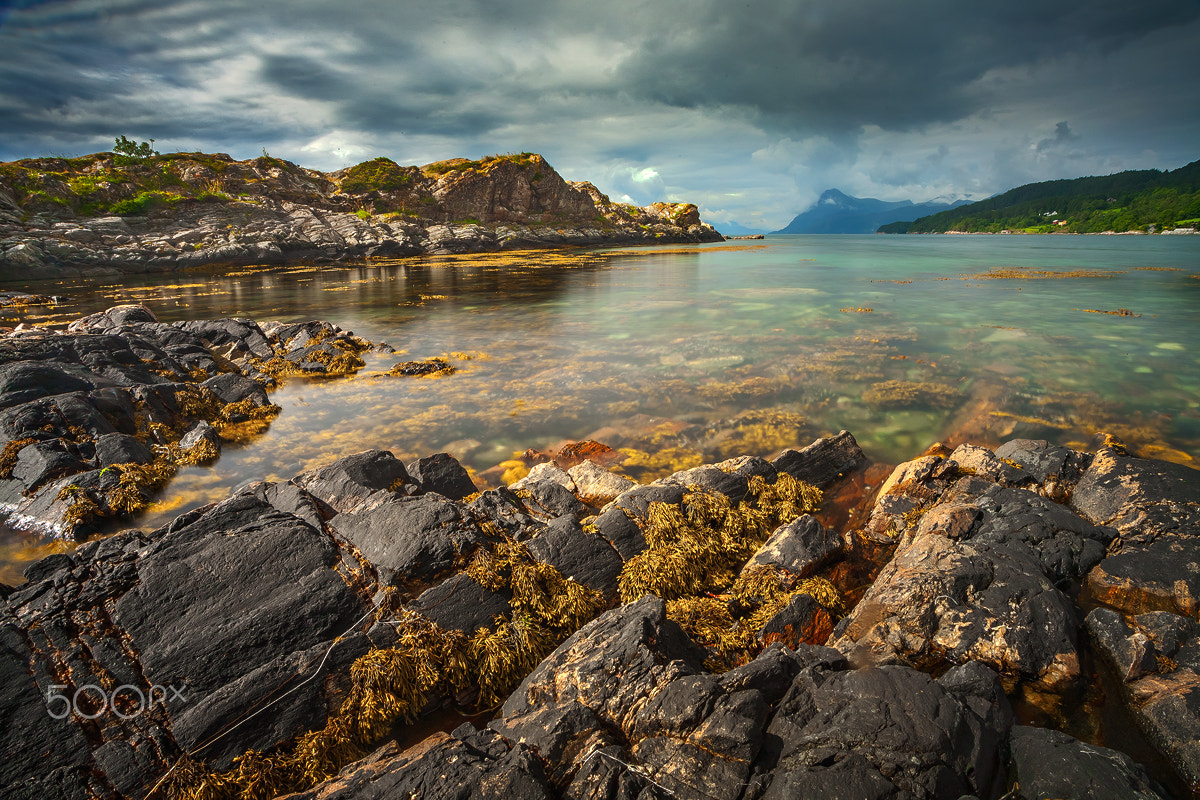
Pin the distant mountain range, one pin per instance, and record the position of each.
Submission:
(1136, 200)
(736, 229)
(837, 212)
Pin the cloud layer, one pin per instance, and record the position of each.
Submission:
(750, 109)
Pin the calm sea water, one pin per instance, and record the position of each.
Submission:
(685, 353)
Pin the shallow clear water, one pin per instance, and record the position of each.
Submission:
(902, 340)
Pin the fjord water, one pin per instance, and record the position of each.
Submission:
(903, 340)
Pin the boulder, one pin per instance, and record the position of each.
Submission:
(349, 481)
(442, 473)
(120, 448)
(595, 485)
(801, 547)
(823, 460)
(1048, 763)
(414, 539)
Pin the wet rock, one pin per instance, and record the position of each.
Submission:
(887, 732)
(119, 448)
(584, 557)
(1142, 498)
(549, 499)
(803, 620)
(1048, 763)
(428, 367)
(349, 481)
(801, 547)
(442, 473)
(414, 538)
(466, 765)
(973, 460)
(1163, 575)
(622, 533)
(459, 603)
(1132, 654)
(990, 593)
(595, 485)
(823, 460)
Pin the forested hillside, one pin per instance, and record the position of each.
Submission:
(1133, 200)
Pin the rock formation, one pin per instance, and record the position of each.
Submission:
(106, 213)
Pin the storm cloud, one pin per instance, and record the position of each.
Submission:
(750, 109)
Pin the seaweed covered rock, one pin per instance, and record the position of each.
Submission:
(121, 388)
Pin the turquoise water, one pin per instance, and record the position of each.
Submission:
(679, 353)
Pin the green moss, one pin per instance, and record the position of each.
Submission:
(143, 203)
(377, 175)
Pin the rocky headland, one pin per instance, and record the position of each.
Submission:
(723, 632)
(110, 213)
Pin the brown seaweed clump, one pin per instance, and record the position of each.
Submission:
(428, 368)
(904, 394)
(696, 546)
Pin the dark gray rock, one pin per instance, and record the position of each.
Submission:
(22, 381)
(823, 460)
(416, 538)
(549, 499)
(459, 603)
(44, 461)
(236, 589)
(621, 532)
(1141, 497)
(233, 388)
(1131, 653)
(463, 766)
(578, 555)
(1161, 575)
(1056, 468)
(120, 448)
(348, 481)
(112, 319)
(886, 732)
(1047, 763)
(948, 598)
(201, 432)
(502, 510)
(712, 479)
(442, 473)
(801, 547)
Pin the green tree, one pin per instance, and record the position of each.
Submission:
(131, 152)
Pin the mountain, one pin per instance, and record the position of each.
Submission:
(735, 229)
(837, 212)
(1135, 200)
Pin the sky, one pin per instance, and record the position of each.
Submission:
(748, 109)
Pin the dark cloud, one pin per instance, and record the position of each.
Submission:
(729, 102)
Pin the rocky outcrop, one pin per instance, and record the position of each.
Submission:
(94, 418)
(675, 640)
(105, 214)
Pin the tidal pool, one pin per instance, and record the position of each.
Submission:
(680, 355)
